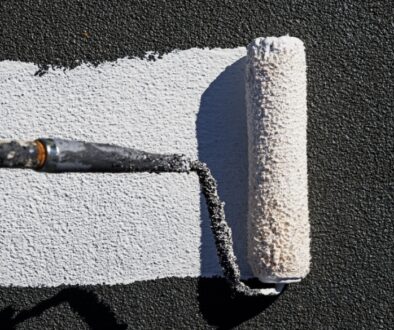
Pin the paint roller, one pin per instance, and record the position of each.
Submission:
(278, 226)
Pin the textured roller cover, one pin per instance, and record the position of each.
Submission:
(278, 226)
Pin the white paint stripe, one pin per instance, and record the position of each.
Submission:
(112, 228)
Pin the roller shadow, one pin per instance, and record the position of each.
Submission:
(222, 144)
(86, 304)
(222, 309)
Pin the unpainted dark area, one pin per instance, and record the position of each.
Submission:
(350, 154)
(124, 306)
(82, 301)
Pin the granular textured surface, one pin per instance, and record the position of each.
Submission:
(88, 228)
(278, 225)
(350, 157)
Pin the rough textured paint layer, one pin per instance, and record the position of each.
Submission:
(78, 228)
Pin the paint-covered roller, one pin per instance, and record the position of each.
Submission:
(278, 225)
(278, 228)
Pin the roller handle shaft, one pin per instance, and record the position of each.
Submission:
(57, 155)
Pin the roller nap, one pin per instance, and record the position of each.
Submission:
(278, 226)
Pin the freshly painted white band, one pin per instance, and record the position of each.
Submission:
(118, 228)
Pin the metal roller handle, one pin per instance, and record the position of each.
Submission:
(57, 155)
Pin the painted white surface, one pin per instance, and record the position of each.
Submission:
(119, 228)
